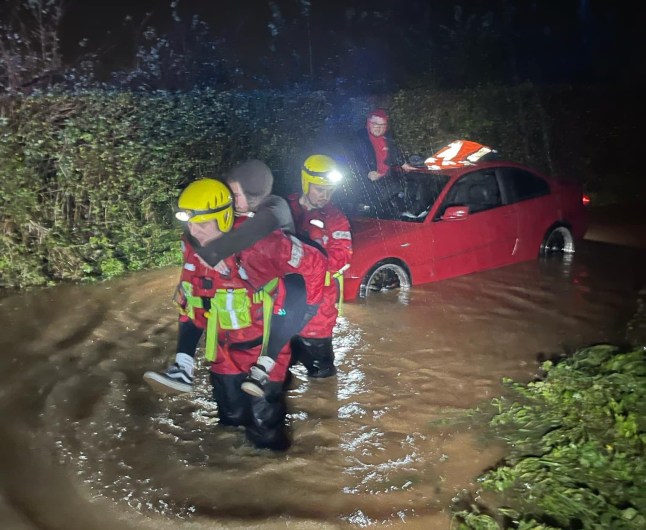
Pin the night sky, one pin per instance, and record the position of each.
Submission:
(452, 44)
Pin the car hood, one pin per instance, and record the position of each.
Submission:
(368, 231)
(374, 240)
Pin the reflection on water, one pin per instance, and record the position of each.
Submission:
(84, 444)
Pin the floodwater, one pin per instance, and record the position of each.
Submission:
(85, 444)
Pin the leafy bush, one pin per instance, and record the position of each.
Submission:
(577, 441)
(89, 179)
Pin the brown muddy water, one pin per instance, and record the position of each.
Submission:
(85, 444)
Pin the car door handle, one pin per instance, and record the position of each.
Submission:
(405, 245)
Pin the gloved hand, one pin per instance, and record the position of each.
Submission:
(258, 376)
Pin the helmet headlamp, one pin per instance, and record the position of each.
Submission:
(186, 215)
(320, 170)
(324, 178)
(334, 176)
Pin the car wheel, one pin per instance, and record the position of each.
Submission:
(385, 276)
(558, 241)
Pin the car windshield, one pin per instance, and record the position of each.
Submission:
(418, 192)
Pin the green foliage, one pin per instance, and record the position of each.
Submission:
(577, 442)
(88, 185)
(90, 179)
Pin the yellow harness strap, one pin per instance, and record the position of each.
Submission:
(214, 315)
(211, 351)
(192, 302)
(266, 295)
(339, 303)
(338, 275)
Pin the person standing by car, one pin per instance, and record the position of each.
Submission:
(319, 220)
(376, 161)
(234, 303)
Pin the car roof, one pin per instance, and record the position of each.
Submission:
(467, 168)
(461, 170)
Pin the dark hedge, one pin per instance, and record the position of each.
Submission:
(89, 179)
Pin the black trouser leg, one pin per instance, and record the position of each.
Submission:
(263, 417)
(317, 355)
(188, 337)
(294, 317)
(233, 406)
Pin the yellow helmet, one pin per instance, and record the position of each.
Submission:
(321, 170)
(204, 200)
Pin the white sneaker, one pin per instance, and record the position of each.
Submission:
(258, 377)
(172, 381)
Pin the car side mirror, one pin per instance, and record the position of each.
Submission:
(454, 213)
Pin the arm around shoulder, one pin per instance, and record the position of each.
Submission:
(272, 214)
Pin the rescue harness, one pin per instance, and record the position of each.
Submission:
(230, 309)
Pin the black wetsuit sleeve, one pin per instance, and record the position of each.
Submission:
(272, 213)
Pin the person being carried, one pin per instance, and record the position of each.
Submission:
(234, 304)
(319, 220)
(251, 183)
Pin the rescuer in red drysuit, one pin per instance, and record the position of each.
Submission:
(317, 219)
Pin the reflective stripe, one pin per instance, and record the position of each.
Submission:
(449, 154)
(235, 323)
(341, 234)
(297, 252)
(474, 157)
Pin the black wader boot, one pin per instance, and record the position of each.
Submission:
(316, 355)
(233, 408)
(263, 417)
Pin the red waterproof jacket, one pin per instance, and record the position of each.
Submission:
(331, 229)
(279, 254)
(273, 257)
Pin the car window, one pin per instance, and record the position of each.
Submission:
(419, 191)
(478, 190)
(521, 185)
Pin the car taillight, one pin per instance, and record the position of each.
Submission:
(585, 199)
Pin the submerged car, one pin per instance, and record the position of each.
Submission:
(466, 218)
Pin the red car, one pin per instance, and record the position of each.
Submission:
(460, 220)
